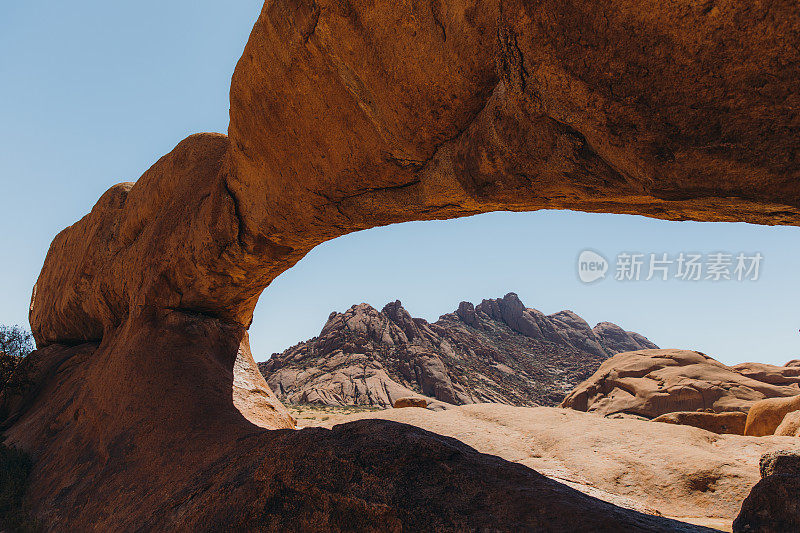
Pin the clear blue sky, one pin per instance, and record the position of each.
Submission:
(92, 93)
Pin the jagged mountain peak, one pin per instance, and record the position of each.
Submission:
(498, 351)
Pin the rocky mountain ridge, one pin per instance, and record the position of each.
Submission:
(498, 351)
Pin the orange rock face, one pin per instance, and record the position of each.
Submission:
(410, 402)
(790, 425)
(350, 115)
(722, 423)
(765, 416)
(651, 383)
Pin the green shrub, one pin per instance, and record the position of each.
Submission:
(16, 343)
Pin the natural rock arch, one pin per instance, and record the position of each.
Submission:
(345, 115)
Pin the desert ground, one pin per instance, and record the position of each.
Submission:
(680, 472)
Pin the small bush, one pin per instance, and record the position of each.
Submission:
(15, 467)
(16, 343)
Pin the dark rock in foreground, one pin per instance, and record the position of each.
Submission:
(773, 505)
(783, 463)
(220, 472)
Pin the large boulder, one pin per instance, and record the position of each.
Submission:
(790, 425)
(651, 383)
(773, 506)
(722, 423)
(765, 416)
(777, 375)
(351, 115)
(410, 402)
(781, 462)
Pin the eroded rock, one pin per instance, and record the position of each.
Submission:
(790, 425)
(499, 351)
(772, 506)
(782, 463)
(346, 116)
(678, 471)
(651, 383)
(765, 416)
(410, 402)
(722, 423)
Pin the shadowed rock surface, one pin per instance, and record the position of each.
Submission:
(723, 423)
(7, 365)
(790, 425)
(364, 476)
(772, 506)
(678, 471)
(651, 383)
(350, 115)
(498, 351)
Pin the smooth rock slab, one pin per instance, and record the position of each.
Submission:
(722, 423)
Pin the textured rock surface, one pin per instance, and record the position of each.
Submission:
(678, 471)
(765, 416)
(349, 115)
(651, 383)
(772, 506)
(410, 402)
(234, 475)
(790, 425)
(498, 351)
(783, 462)
(722, 423)
(776, 375)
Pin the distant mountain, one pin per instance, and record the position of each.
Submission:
(498, 351)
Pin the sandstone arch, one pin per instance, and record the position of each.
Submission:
(348, 114)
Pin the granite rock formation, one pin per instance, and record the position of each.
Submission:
(498, 351)
(401, 403)
(651, 383)
(772, 506)
(775, 375)
(766, 415)
(723, 423)
(677, 471)
(345, 116)
(782, 462)
(790, 425)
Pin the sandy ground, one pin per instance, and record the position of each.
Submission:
(675, 471)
